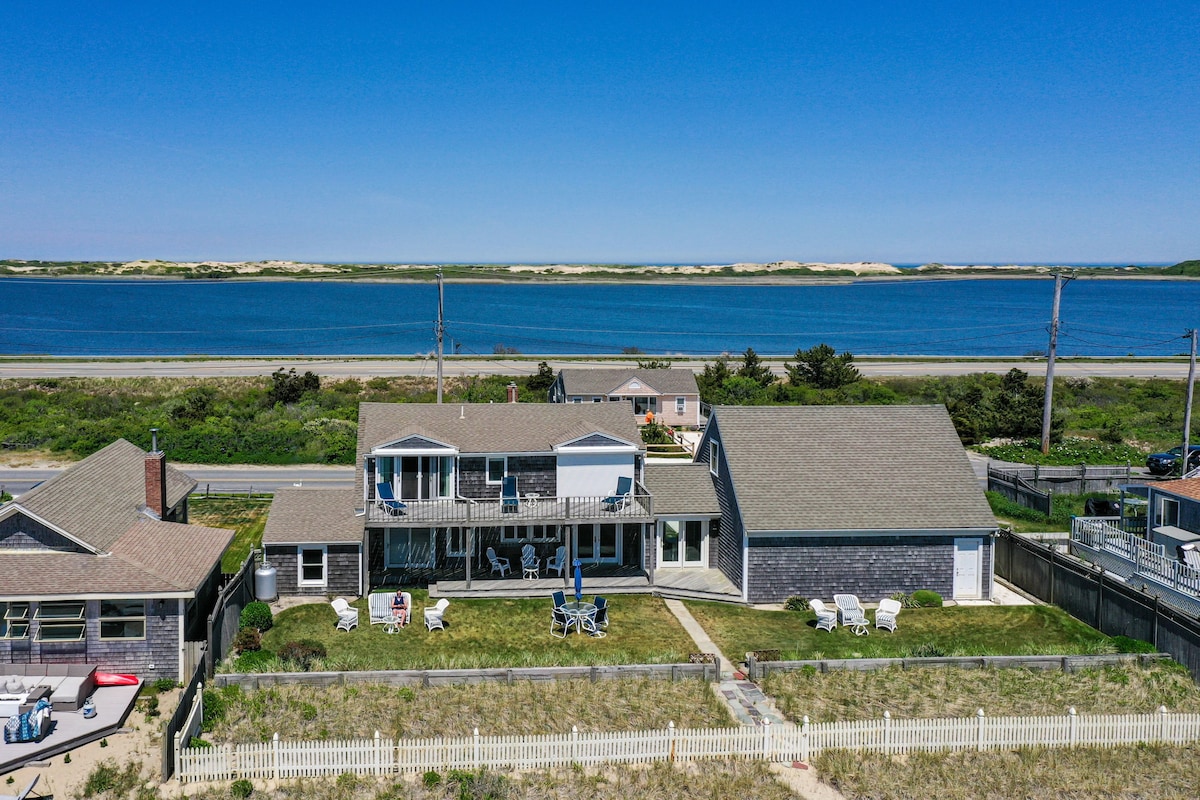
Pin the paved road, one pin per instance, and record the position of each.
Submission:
(215, 479)
(359, 367)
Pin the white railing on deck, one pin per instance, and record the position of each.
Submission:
(379, 756)
(1146, 558)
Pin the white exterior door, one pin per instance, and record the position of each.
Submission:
(968, 569)
(682, 544)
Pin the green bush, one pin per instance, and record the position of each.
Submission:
(1125, 644)
(303, 653)
(927, 598)
(165, 684)
(257, 615)
(796, 603)
(254, 661)
(431, 778)
(905, 600)
(214, 709)
(241, 788)
(248, 639)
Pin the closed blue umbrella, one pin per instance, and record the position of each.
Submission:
(578, 580)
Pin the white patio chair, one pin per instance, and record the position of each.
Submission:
(499, 564)
(885, 615)
(347, 616)
(826, 617)
(849, 609)
(559, 562)
(380, 606)
(433, 616)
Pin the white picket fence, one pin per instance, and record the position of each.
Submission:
(379, 756)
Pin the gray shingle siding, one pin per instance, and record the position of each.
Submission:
(728, 546)
(536, 474)
(341, 570)
(872, 567)
(20, 532)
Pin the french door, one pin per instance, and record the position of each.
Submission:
(598, 543)
(682, 544)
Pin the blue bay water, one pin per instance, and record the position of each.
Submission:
(936, 317)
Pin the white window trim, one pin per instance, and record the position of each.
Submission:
(680, 405)
(682, 523)
(53, 623)
(460, 552)
(102, 619)
(597, 399)
(1162, 511)
(577, 400)
(387, 550)
(510, 534)
(487, 469)
(714, 456)
(10, 619)
(300, 581)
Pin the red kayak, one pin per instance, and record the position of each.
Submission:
(109, 679)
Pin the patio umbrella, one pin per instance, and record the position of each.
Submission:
(578, 580)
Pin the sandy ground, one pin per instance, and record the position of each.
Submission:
(140, 742)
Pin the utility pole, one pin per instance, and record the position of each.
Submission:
(1187, 411)
(441, 332)
(1048, 404)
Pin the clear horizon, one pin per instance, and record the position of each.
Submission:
(663, 134)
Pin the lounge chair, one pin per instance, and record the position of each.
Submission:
(601, 618)
(24, 792)
(849, 609)
(885, 615)
(620, 498)
(530, 564)
(826, 617)
(559, 562)
(387, 499)
(433, 616)
(499, 564)
(509, 499)
(347, 616)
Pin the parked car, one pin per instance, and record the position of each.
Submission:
(1168, 462)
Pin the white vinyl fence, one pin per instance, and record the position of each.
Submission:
(379, 756)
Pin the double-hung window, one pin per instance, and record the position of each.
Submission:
(497, 468)
(123, 619)
(714, 456)
(312, 564)
(61, 621)
(680, 405)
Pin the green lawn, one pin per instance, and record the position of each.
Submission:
(488, 633)
(952, 631)
(248, 516)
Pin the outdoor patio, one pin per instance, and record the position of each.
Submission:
(70, 730)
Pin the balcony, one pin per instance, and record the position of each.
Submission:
(462, 511)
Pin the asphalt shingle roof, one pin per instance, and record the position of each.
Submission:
(317, 516)
(97, 499)
(1188, 487)
(603, 381)
(101, 501)
(850, 468)
(681, 489)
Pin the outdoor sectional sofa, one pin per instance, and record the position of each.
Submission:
(69, 684)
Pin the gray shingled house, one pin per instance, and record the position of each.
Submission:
(670, 394)
(868, 500)
(314, 539)
(99, 566)
(449, 464)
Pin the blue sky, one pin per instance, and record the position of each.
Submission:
(648, 132)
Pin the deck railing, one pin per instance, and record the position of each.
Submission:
(525, 510)
(1144, 558)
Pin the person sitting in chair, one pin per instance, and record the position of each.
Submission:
(400, 607)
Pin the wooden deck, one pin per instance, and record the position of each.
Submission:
(693, 584)
(70, 730)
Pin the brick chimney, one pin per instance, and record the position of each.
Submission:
(156, 477)
(512, 393)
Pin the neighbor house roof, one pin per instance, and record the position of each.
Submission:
(684, 489)
(851, 468)
(96, 500)
(313, 516)
(100, 501)
(1188, 487)
(603, 381)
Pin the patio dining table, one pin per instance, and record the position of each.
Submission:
(582, 615)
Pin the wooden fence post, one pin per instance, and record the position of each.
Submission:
(275, 755)
(979, 732)
(671, 740)
(766, 726)
(887, 731)
(477, 748)
(1074, 727)
(1162, 723)
(574, 744)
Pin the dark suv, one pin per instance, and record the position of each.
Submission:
(1168, 462)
